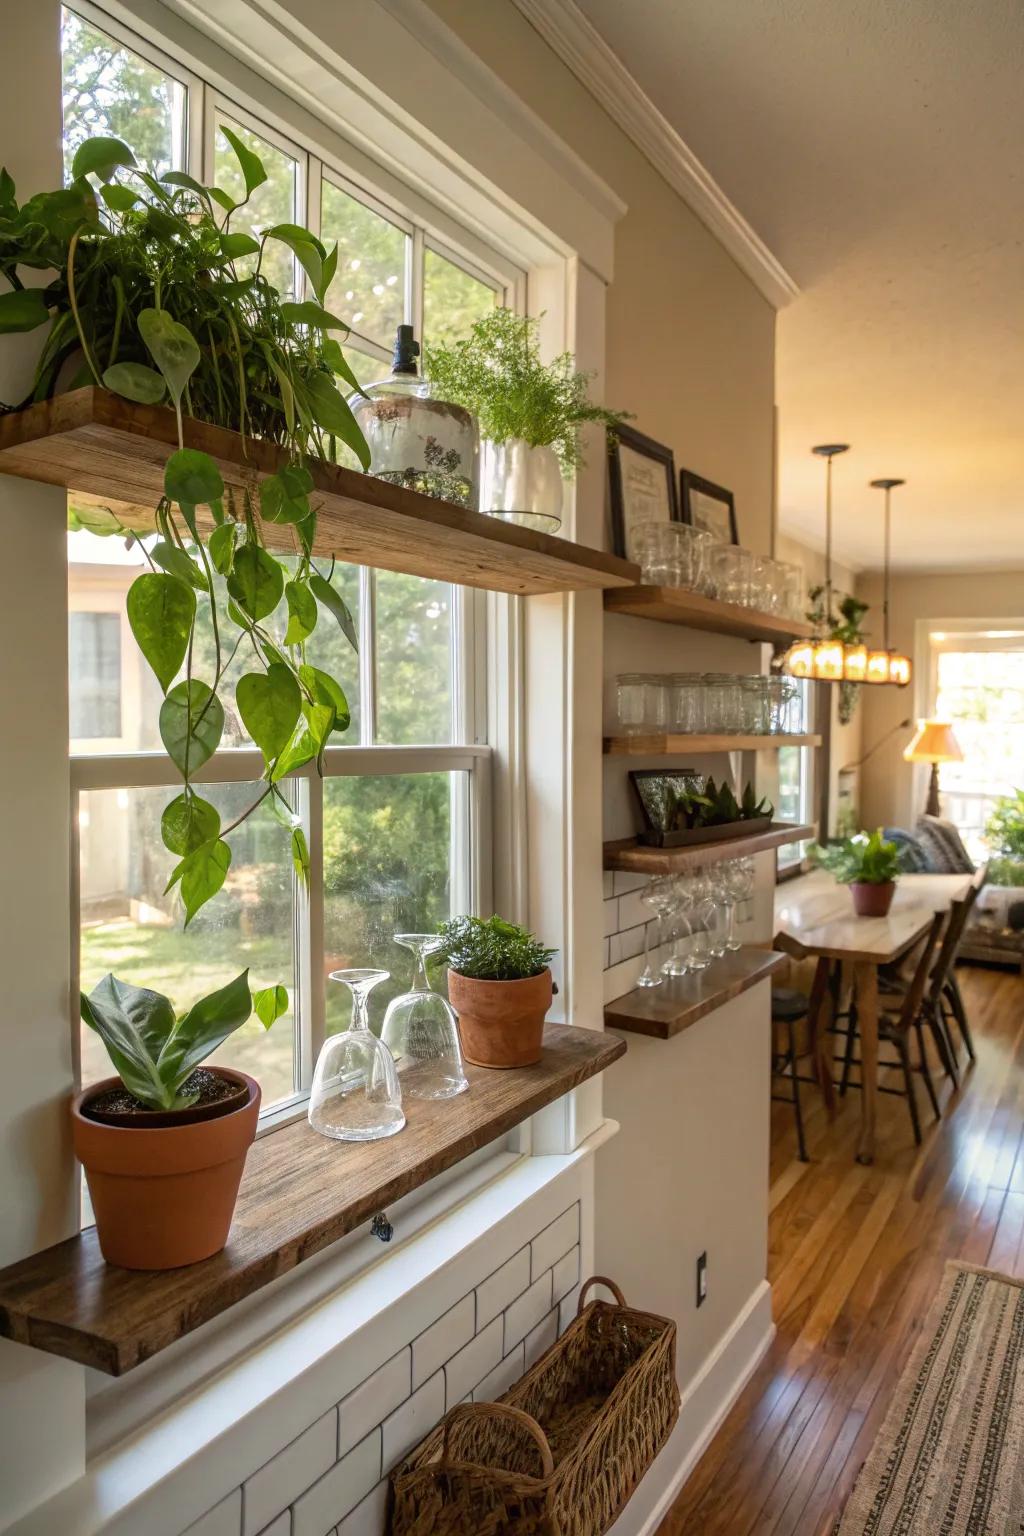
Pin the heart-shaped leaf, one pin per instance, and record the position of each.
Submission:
(269, 704)
(332, 413)
(100, 157)
(201, 874)
(256, 581)
(22, 309)
(171, 345)
(221, 545)
(302, 613)
(253, 171)
(296, 755)
(192, 478)
(183, 179)
(236, 245)
(307, 250)
(134, 1024)
(188, 821)
(161, 610)
(135, 382)
(177, 563)
(99, 521)
(336, 605)
(191, 724)
(326, 691)
(119, 198)
(270, 1003)
(284, 497)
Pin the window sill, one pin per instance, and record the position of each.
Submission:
(299, 1194)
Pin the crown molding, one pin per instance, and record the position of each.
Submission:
(579, 45)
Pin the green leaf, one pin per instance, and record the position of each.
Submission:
(234, 246)
(300, 855)
(307, 250)
(22, 310)
(270, 1003)
(269, 704)
(284, 496)
(120, 199)
(191, 715)
(192, 478)
(299, 752)
(253, 172)
(256, 581)
(188, 821)
(135, 382)
(326, 691)
(177, 563)
(134, 1024)
(225, 199)
(320, 721)
(334, 357)
(284, 384)
(221, 545)
(161, 611)
(283, 812)
(183, 179)
(313, 315)
(172, 347)
(99, 521)
(100, 157)
(302, 613)
(206, 1025)
(335, 604)
(201, 874)
(332, 413)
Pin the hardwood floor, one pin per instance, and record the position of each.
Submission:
(855, 1257)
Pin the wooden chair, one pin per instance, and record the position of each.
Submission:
(789, 1007)
(947, 1002)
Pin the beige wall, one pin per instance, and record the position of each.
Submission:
(889, 795)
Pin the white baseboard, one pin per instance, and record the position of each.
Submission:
(705, 1402)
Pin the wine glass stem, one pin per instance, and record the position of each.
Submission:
(360, 1010)
(420, 980)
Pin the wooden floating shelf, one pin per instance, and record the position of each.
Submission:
(680, 1001)
(675, 605)
(670, 745)
(113, 452)
(632, 857)
(300, 1192)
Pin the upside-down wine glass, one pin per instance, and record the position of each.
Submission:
(421, 1033)
(739, 879)
(677, 963)
(657, 897)
(355, 1095)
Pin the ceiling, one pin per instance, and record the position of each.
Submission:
(877, 148)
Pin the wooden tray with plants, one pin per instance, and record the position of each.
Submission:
(684, 809)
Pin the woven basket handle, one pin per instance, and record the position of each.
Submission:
(599, 1280)
(502, 1411)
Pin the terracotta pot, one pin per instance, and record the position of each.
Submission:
(164, 1196)
(501, 1023)
(872, 900)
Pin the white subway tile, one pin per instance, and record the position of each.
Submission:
(608, 884)
(408, 1424)
(367, 1519)
(494, 1294)
(339, 1490)
(527, 1310)
(623, 946)
(541, 1338)
(224, 1519)
(473, 1363)
(373, 1400)
(632, 910)
(280, 1481)
(565, 1275)
(502, 1377)
(623, 884)
(611, 916)
(555, 1241)
(567, 1309)
(441, 1340)
(282, 1526)
(607, 953)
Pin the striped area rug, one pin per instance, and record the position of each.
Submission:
(949, 1459)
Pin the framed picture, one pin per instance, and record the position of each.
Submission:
(642, 474)
(708, 506)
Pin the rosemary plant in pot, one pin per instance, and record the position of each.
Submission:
(499, 983)
(164, 1142)
(870, 866)
(529, 413)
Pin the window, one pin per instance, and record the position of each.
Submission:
(398, 828)
(796, 781)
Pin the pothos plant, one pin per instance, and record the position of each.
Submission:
(151, 294)
(845, 624)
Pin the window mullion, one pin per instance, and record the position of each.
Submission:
(414, 282)
(367, 656)
(310, 1010)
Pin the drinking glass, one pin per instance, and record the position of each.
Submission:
(657, 547)
(693, 546)
(685, 703)
(718, 898)
(421, 1033)
(355, 1095)
(739, 879)
(658, 896)
(677, 962)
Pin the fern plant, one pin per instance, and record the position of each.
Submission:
(490, 949)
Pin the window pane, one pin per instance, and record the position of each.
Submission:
(129, 926)
(94, 665)
(414, 633)
(109, 90)
(369, 289)
(387, 851)
(452, 300)
(274, 202)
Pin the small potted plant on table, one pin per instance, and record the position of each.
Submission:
(164, 1143)
(499, 983)
(868, 865)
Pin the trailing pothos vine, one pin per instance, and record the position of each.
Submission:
(846, 625)
(149, 293)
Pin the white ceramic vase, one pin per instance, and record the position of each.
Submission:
(521, 484)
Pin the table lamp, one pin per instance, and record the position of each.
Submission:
(933, 743)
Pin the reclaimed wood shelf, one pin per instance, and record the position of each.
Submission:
(676, 605)
(300, 1192)
(112, 452)
(673, 743)
(680, 1001)
(632, 857)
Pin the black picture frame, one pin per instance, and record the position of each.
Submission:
(694, 494)
(633, 503)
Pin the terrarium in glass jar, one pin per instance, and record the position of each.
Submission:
(416, 441)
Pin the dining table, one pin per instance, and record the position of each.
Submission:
(815, 917)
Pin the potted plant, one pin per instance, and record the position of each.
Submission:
(499, 983)
(164, 1142)
(868, 865)
(529, 413)
(847, 626)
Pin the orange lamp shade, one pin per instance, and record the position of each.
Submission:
(933, 742)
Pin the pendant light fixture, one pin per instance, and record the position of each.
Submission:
(887, 665)
(823, 659)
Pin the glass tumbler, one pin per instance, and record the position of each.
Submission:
(694, 547)
(732, 572)
(686, 703)
(355, 1094)
(723, 703)
(657, 547)
(421, 1032)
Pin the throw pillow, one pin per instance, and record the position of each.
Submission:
(943, 846)
(913, 858)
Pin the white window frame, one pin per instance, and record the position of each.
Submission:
(791, 855)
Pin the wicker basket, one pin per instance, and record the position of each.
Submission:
(561, 1453)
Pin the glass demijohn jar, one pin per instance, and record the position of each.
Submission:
(416, 441)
